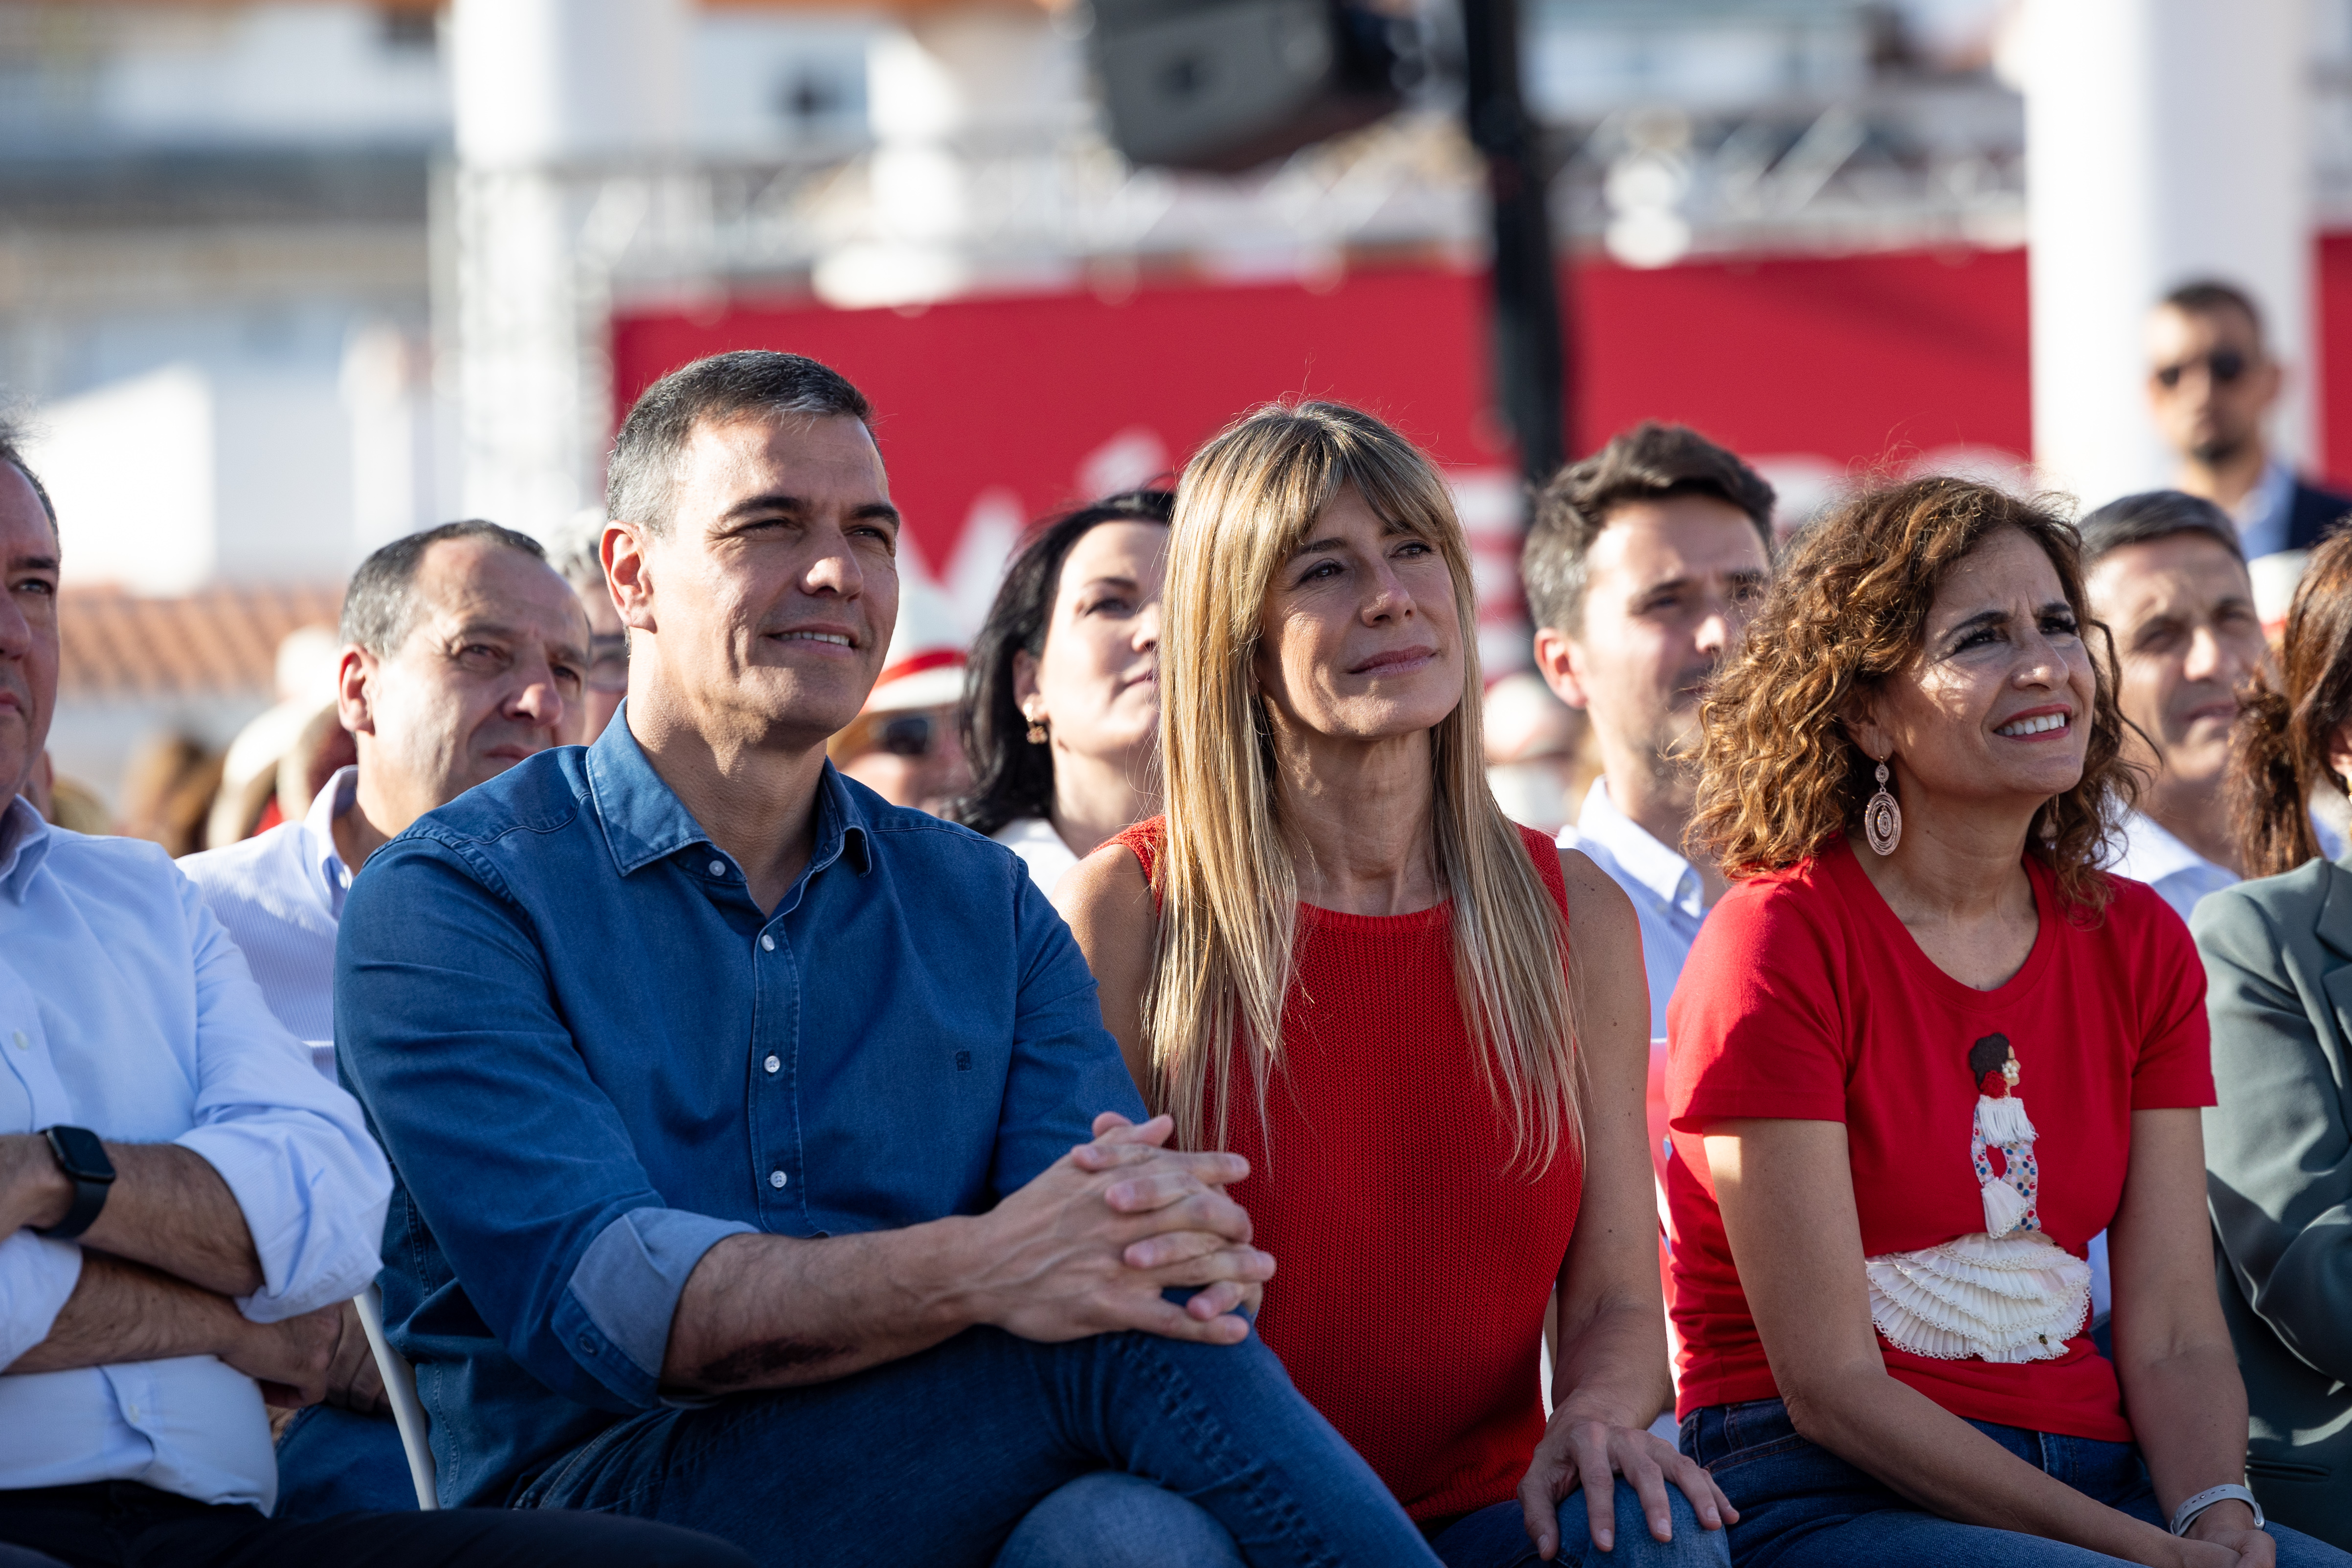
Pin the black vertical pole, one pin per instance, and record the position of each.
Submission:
(1529, 359)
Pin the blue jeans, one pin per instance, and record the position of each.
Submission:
(332, 1461)
(1800, 1506)
(936, 1458)
(1112, 1520)
(1497, 1537)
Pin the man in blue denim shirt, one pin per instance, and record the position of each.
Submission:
(762, 1159)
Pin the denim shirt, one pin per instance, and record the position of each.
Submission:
(590, 1056)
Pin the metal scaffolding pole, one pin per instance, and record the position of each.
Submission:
(1528, 341)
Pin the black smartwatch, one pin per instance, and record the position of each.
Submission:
(83, 1158)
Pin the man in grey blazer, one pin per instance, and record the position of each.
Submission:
(2278, 1156)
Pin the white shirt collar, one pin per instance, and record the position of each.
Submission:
(24, 841)
(2272, 493)
(1653, 865)
(2153, 852)
(337, 798)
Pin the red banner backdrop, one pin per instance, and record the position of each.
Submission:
(993, 411)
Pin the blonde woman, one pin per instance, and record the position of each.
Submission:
(1335, 954)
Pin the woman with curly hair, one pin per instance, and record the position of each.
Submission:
(1922, 1052)
(1336, 955)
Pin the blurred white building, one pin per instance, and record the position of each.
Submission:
(272, 293)
(216, 266)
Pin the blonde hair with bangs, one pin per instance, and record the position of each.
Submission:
(1226, 882)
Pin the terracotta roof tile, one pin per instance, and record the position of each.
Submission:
(221, 640)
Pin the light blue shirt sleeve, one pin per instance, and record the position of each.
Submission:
(37, 1275)
(126, 1008)
(292, 1147)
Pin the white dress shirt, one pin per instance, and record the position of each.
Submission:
(2154, 855)
(1040, 848)
(1668, 900)
(125, 1009)
(280, 894)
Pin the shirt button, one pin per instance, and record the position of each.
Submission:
(22, 1043)
(767, 942)
(772, 1064)
(718, 867)
(776, 1178)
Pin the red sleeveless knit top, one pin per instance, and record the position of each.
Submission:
(1413, 1262)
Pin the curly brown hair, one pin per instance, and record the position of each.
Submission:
(1780, 776)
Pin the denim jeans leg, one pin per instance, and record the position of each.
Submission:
(335, 1462)
(1497, 1537)
(2297, 1550)
(1112, 1520)
(2116, 1475)
(938, 1458)
(1800, 1506)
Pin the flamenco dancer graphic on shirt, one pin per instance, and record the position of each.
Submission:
(2007, 1292)
(2000, 1124)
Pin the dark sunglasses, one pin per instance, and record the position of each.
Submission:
(2224, 365)
(908, 735)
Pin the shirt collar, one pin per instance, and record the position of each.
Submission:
(2271, 497)
(1643, 858)
(24, 841)
(337, 798)
(644, 821)
(2153, 852)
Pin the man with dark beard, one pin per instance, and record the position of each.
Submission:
(1643, 565)
(2212, 383)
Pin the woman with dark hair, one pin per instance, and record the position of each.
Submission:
(1913, 774)
(1061, 706)
(2278, 1146)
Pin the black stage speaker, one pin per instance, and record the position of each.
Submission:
(1226, 85)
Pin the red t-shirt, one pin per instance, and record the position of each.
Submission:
(1805, 999)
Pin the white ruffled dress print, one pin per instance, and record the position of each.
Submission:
(2006, 1293)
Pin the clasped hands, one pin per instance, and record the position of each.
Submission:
(1091, 1244)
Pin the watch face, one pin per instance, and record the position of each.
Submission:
(80, 1154)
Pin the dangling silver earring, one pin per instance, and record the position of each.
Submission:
(1882, 818)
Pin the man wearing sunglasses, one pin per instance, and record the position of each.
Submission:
(2212, 384)
(903, 745)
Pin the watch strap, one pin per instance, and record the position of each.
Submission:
(2186, 1514)
(89, 1197)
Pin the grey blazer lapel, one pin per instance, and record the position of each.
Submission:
(2333, 929)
